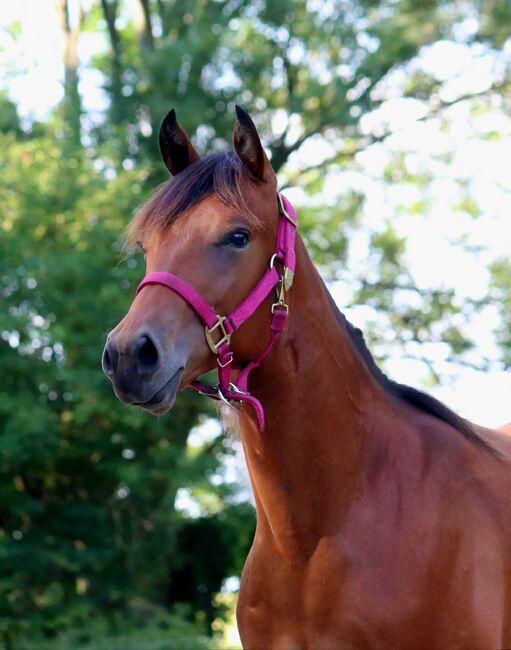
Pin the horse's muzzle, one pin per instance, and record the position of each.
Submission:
(138, 374)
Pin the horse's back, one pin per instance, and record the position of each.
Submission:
(500, 440)
(506, 429)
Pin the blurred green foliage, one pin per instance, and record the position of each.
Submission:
(147, 628)
(88, 486)
(93, 552)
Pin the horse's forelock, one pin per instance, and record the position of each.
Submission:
(221, 174)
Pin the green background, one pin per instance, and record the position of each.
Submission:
(93, 551)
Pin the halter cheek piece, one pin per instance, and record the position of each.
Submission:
(219, 329)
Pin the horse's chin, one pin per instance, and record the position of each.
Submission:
(164, 399)
(159, 409)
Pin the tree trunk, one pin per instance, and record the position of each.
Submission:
(163, 16)
(144, 25)
(71, 105)
(110, 9)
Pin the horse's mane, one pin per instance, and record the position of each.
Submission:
(416, 398)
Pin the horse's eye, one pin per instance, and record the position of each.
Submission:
(237, 238)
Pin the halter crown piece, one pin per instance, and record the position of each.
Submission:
(219, 329)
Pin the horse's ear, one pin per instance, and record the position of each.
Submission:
(175, 147)
(248, 145)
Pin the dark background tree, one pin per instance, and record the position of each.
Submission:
(92, 543)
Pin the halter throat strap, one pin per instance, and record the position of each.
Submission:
(219, 329)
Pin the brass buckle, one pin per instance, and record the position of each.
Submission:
(225, 336)
(281, 297)
(283, 211)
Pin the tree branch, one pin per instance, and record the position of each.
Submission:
(364, 142)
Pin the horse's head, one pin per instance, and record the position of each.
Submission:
(214, 226)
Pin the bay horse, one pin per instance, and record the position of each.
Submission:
(383, 518)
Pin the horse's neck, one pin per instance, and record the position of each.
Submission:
(320, 400)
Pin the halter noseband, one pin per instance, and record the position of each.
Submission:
(219, 329)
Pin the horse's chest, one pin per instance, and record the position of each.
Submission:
(289, 604)
(363, 598)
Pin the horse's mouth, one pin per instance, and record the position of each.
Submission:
(163, 400)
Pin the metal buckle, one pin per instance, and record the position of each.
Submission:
(223, 365)
(283, 211)
(225, 336)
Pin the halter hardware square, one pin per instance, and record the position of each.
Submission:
(230, 359)
(279, 305)
(225, 336)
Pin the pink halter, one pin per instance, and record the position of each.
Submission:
(219, 329)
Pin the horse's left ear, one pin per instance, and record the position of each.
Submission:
(249, 148)
(175, 147)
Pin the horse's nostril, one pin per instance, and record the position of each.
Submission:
(146, 355)
(110, 358)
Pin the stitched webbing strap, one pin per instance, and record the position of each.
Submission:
(258, 295)
(202, 308)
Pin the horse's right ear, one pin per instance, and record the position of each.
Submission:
(175, 147)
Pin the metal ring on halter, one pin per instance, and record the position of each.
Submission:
(222, 396)
(235, 389)
(274, 257)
